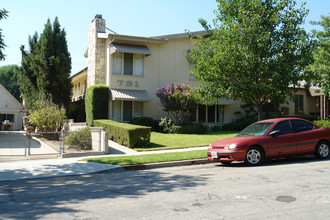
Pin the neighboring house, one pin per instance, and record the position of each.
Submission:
(11, 111)
(135, 67)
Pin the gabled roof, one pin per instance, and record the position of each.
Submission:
(11, 97)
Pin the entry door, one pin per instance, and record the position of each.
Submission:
(127, 110)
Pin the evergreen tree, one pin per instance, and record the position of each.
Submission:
(47, 66)
(3, 14)
(8, 78)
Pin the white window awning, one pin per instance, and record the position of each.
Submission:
(129, 48)
(129, 95)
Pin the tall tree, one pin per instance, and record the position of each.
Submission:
(3, 14)
(47, 66)
(320, 69)
(8, 78)
(256, 50)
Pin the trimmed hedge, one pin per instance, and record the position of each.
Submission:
(96, 103)
(125, 134)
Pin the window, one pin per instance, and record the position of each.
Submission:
(117, 63)
(299, 125)
(211, 114)
(220, 113)
(128, 64)
(116, 110)
(299, 105)
(284, 127)
(126, 110)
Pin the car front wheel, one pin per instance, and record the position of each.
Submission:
(254, 156)
(322, 150)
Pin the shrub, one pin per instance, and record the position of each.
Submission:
(239, 124)
(197, 128)
(47, 117)
(322, 123)
(147, 121)
(308, 117)
(216, 128)
(126, 134)
(96, 103)
(177, 101)
(81, 140)
(167, 125)
(144, 121)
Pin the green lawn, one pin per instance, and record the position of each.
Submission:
(161, 141)
(150, 158)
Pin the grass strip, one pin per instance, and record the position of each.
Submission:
(150, 158)
(161, 141)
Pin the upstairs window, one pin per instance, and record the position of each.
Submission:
(128, 64)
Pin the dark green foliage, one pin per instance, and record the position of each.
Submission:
(81, 140)
(96, 103)
(308, 117)
(144, 121)
(196, 128)
(125, 134)
(239, 124)
(46, 67)
(8, 78)
(255, 51)
(147, 121)
(320, 69)
(323, 123)
(3, 14)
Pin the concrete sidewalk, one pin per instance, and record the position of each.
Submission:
(28, 169)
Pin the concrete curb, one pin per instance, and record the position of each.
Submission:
(167, 164)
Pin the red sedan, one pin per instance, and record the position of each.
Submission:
(281, 137)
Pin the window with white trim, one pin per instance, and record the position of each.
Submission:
(128, 64)
(126, 110)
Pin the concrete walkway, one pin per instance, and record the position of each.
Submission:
(27, 169)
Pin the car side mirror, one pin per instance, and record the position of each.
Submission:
(274, 133)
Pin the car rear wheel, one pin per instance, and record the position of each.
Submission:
(322, 150)
(254, 156)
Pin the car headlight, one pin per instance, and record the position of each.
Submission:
(232, 146)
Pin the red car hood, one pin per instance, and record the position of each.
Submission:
(240, 141)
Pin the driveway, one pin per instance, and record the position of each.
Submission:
(15, 145)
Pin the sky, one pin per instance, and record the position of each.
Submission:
(144, 18)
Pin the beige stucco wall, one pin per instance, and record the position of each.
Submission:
(9, 105)
(167, 64)
(79, 83)
(311, 103)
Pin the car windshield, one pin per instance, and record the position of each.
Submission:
(256, 129)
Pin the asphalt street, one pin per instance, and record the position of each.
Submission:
(282, 189)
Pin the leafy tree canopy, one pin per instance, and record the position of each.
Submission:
(46, 67)
(8, 78)
(320, 69)
(254, 53)
(3, 15)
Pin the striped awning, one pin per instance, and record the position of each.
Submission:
(129, 95)
(129, 48)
